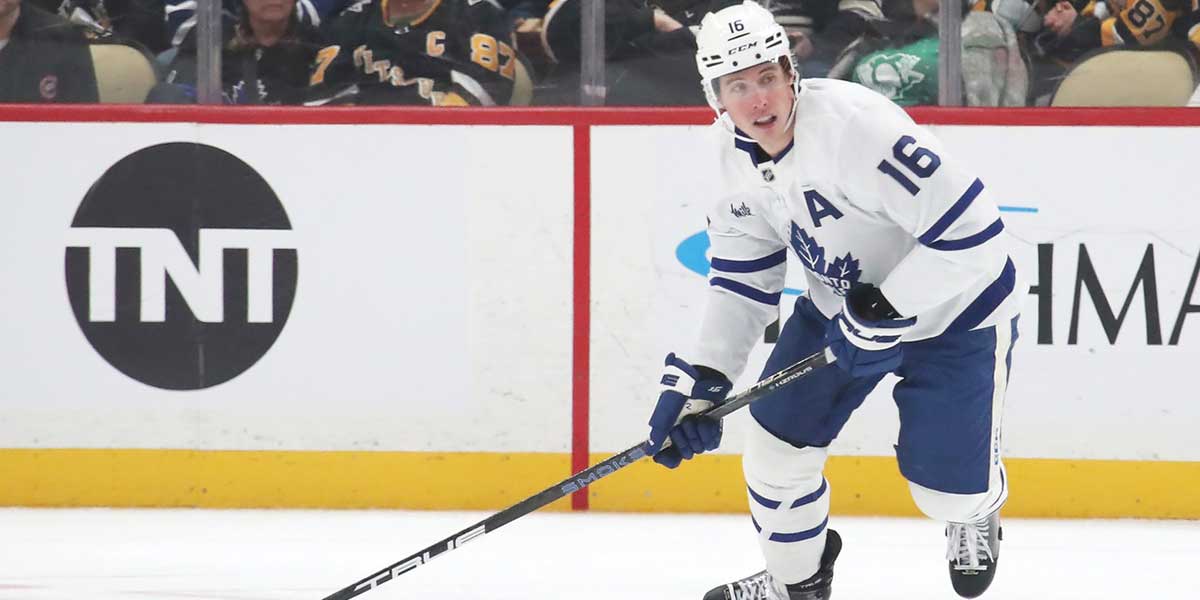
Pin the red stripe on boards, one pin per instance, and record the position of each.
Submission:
(355, 115)
(580, 363)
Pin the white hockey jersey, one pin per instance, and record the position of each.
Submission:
(863, 195)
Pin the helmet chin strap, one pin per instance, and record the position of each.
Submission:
(791, 120)
(727, 123)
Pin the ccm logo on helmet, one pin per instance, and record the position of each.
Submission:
(743, 47)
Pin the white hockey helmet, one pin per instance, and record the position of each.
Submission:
(739, 37)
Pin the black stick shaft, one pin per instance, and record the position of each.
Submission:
(574, 483)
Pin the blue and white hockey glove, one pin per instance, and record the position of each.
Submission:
(686, 390)
(865, 336)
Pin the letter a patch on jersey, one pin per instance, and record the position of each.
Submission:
(819, 207)
(840, 275)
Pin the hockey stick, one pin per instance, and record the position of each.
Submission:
(577, 481)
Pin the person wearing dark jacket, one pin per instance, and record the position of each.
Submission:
(139, 21)
(265, 59)
(650, 55)
(42, 57)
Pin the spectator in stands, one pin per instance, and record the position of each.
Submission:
(127, 21)
(650, 47)
(1187, 29)
(422, 52)
(1071, 29)
(181, 14)
(518, 11)
(898, 57)
(650, 55)
(265, 58)
(820, 30)
(1081, 26)
(690, 12)
(43, 58)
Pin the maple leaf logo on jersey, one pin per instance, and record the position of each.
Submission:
(846, 268)
(840, 275)
(808, 249)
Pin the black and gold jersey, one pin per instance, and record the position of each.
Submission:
(1134, 23)
(456, 53)
(1142, 22)
(1138, 23)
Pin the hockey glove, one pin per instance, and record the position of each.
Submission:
(686, 390)
(865, 336)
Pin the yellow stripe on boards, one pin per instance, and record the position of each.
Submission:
(1104, 489)
(714, 483)
(872, 485)
(865, 485)
(272, 479)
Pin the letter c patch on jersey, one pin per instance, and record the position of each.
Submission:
(819, 207)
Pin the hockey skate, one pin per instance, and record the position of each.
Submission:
(761, 586)
(973, 550)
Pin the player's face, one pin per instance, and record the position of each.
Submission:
(759, 100)
(268, 10)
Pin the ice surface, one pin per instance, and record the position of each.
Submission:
(103, 554)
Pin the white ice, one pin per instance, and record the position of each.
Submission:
(103, 554)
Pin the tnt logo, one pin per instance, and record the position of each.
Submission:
(181, 266)
(161, 257)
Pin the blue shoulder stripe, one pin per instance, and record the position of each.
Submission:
(952, 215)
(746, 291)
(971, 240)
(749, 266)
(987, 301)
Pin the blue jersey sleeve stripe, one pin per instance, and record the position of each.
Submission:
(952, 215)
(970, 241)
(746, 291)
(987, 301)
(749, 266)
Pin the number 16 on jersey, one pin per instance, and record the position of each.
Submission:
(920, 161)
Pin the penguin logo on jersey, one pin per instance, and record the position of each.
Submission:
(894, 75)
(840, 275)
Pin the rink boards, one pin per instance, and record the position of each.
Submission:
(456, 309)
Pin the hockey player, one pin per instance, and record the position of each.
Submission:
(907, 273)
(425, 52)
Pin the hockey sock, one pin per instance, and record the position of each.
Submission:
(789, 503)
